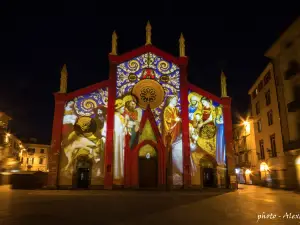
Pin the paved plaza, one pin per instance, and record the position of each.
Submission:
(101, 207)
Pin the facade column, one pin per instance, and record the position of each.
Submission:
(226, 101)
(221, 176)
(109, 145)
(185, 123)
(54, 154)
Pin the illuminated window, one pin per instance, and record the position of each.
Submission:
(246, 157)
(270, 117)
(253, 95)
(273, 145)
(268, 97)
(259, 125)
(267, 78)
(257, 108)
(260, 86)
(31, 150)
(262, 149)
(41, 160)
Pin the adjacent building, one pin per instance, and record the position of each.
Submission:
(245, 152)
(10, 146)
(35, 157)
(268, 138)
(285, 57)
(275, 107)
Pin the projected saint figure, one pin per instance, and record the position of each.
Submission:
(171, 120)
(133, 116)
(119, 141)
(220, 145)
(194, 104)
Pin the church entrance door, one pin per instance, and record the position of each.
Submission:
(148, 171)
(208, 177)
(83, 176)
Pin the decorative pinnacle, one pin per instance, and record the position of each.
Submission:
(114, 43)
(63, 79)
(148, 33)
(181, 46)
(223, 85)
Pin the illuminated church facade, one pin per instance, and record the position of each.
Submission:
(144, 127)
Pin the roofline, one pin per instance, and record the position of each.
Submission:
(268, 67)
(274, 50)
(145, 49)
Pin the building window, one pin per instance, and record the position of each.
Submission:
(41, 160)
(262, 150)
(31, 150)
(27, 161)
(259, 125)
(270, 117)
(246, 157)
(30, 160)
(260, 86)
(240, 158)
(22, 160)
(257, 108)
(42, 150)
(273, 146)
(268, 97)
(254, 94)
(267, 78)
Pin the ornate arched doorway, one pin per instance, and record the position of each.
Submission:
(148, 167)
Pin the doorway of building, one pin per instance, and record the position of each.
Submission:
(83, 177)
(208, 177)
(148, 170)
(208, 172)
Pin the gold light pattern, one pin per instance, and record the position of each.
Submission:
(147, 149)
(147, 133)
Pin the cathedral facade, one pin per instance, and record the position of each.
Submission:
(144, 127)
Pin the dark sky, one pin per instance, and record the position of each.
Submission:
(33, 50)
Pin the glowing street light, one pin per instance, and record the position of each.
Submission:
(264, 167)
(247, 172)
(247, 126)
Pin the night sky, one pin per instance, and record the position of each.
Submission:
(33, 50)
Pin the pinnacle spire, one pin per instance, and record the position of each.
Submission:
(223, 85)
(63, 79)
(148, 33)
(114, 43)
(181, 46)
